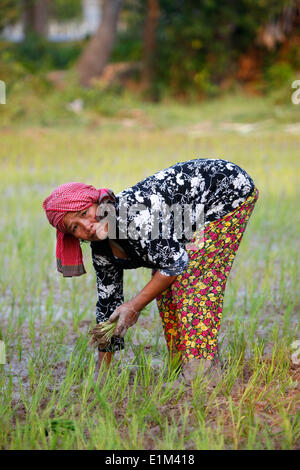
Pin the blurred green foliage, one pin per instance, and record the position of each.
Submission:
(36, 54)
(279, 75)
(66, 9)
(10, 12)
(199, 45)
(128, 47)
(63, 10)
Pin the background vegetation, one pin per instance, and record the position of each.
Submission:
(171, 48)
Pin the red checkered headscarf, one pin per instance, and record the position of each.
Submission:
(66, 198)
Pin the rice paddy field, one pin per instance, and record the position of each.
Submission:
(48, 397)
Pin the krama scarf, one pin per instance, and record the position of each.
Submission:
(66, 198)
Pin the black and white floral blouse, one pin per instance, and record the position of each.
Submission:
(215, 186)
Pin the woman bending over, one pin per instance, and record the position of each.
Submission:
(185, 223)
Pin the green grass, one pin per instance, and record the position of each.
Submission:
(48, 398)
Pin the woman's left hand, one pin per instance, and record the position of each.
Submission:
(128, 316)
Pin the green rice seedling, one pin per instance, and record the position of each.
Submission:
(136, 430)
(88, 383)
(258, 349)
(267, 437)
(169, 436)
(163, 391)
(252, 442)
(49, 307)
(59, 426)
(232, 371)
(102, 333)
(169, 392)
(123, 375)
(105, 407)
(6, 412)
(145, 372)
(32, 330)
(290, 429)
(65, 387)
(102, 436)
(132, 400)
(205, 437)
(108, 381)
(201, 398)
(77, 317)
(173, 431)
(237, 417)
(288, 312)
(39, 393)
(32, 373)
(19, 349)
(185, 415)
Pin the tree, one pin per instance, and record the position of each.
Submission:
(36, 13)
(150, 43)
(36, 16)
(96, 54)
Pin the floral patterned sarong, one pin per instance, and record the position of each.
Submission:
(191, 308)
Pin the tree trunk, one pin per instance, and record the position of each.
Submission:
(96, 54)
(150, 43)
(36, 16)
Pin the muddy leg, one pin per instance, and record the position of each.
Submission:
(104, 361)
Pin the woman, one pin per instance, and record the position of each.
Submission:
(185, 223)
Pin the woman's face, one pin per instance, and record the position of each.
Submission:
(84, 225)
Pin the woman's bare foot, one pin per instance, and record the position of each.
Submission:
(206, 369)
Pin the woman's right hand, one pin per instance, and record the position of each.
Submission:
(127, 316)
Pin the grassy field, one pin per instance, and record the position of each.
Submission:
(48, 396)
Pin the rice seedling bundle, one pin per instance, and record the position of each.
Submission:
(102, 333)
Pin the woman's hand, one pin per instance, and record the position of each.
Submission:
(128, 316)
(129, 312)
